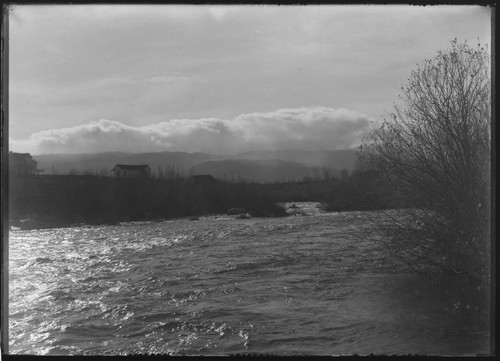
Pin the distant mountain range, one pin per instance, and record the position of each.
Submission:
(260, 166)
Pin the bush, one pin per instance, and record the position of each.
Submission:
(434, 148)
(63, 200)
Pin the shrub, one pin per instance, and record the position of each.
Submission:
(435, 149)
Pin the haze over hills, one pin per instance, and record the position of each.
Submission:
(260, 166)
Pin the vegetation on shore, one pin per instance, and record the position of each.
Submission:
(64, 200)
(434, 148)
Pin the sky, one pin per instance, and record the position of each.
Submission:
(216, 79)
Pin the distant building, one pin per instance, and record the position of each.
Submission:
(131, 171)
(23, 163)
(204, 179)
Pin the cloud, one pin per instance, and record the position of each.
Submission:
(298, 128)
(71, 64)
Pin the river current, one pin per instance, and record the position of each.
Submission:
(308, 284)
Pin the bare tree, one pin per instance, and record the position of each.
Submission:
(434, 148)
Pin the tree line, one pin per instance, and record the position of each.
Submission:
(62, 200)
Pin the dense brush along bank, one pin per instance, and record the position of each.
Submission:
(309, 284)
(65, 200)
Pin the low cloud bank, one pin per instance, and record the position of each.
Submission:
(299, 128)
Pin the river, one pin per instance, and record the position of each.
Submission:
(310, 284)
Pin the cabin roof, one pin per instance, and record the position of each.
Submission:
(131, 166)
(20, 156)
(203, 179)
(203, 176)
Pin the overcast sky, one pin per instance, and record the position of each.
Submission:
(217, 79)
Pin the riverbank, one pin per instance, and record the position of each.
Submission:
(52, 201)
(67, 200)
(290, 209)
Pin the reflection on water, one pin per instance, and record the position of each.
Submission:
(295, 285)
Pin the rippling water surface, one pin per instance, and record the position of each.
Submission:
(294, 285)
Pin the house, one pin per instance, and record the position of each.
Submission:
(131, 171)
(203, 179)
(22, 163)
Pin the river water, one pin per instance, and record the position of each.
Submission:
(310, 284)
